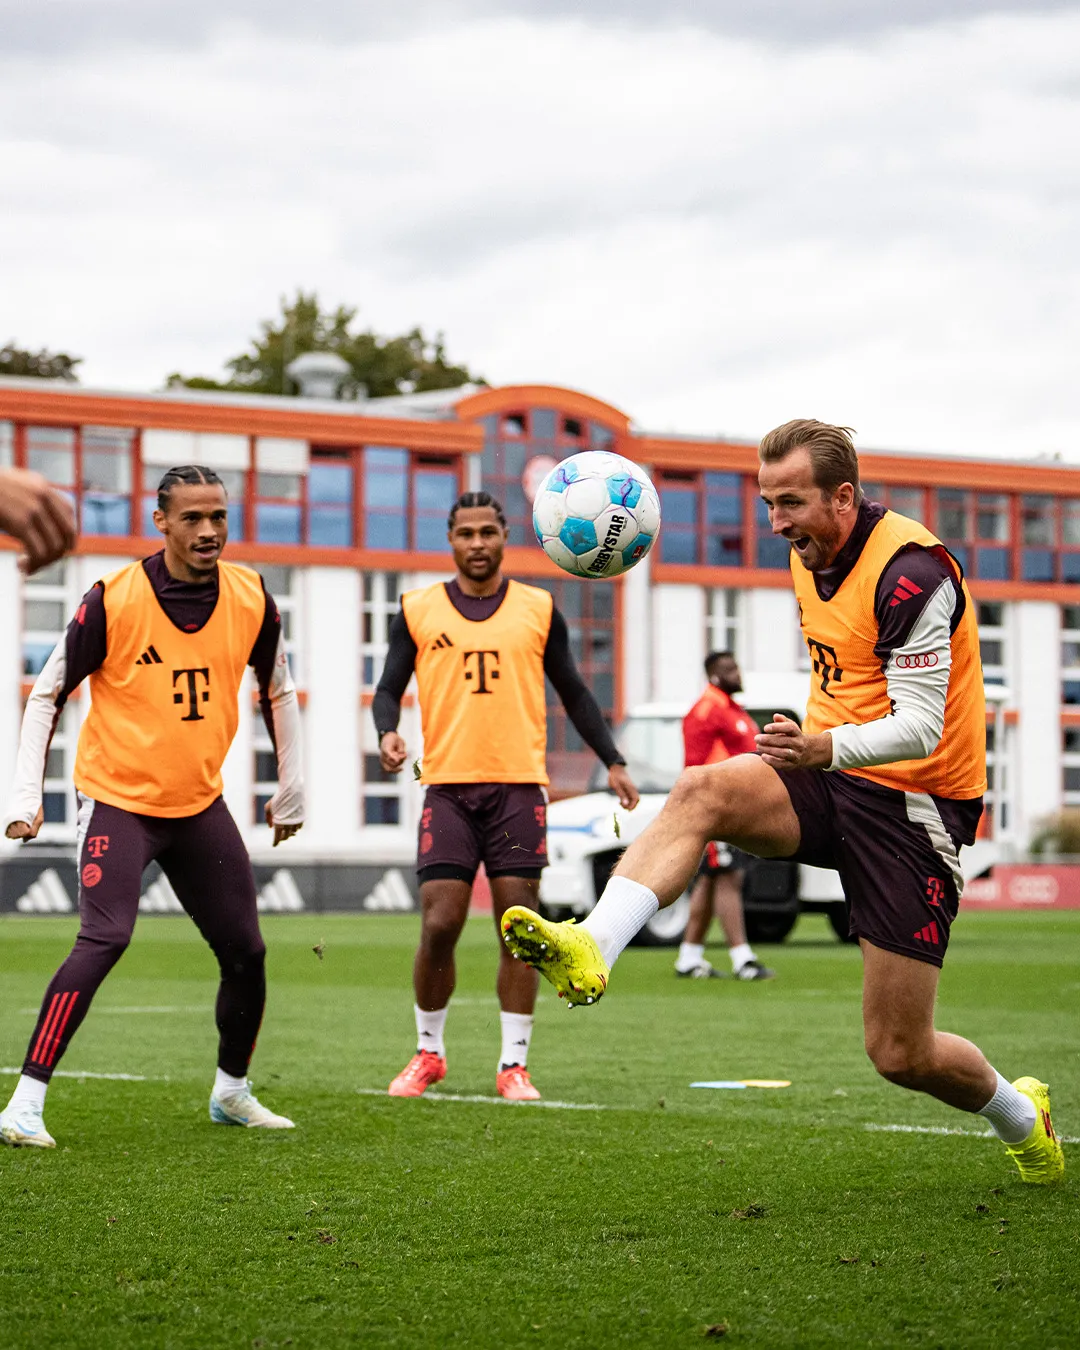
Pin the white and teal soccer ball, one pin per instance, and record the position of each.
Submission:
(596, 514)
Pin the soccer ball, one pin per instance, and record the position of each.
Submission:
(596, 514)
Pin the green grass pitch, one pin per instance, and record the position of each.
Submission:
(658, 1220)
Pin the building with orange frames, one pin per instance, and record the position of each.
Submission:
(342, 506)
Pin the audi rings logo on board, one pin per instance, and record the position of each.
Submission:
(1033, 889)
(920, 661)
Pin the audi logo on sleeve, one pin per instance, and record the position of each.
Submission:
(920, 661)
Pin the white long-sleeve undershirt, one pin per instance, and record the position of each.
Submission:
(287, 803)
(917, 680)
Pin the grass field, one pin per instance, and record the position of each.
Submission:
(789, 1216)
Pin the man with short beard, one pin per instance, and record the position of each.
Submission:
(884, 783)
(481, 646)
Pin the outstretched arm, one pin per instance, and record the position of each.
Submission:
(281, 712)
(79, 654)
(584, 711)
(386, 705)
(37, 515)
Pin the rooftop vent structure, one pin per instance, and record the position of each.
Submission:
(319, 374)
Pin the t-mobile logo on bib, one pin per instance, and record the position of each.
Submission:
(482, 667)
(191, 691)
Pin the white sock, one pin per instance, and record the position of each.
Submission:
(516, 1035)
(625, 907)
(28, 1092)
(740, 955)
(225, 1084)
(691, 954)
(429, 1029)
(1010, 1113)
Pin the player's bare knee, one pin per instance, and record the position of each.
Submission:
(896, 1058)
(440, 929)
(699, 796)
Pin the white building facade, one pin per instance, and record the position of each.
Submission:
(342, 507)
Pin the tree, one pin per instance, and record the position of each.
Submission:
(380, 365)
(42, 365)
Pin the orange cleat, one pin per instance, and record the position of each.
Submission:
(514, 1084)
(418, 1075)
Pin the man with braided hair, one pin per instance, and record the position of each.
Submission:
(164, 643)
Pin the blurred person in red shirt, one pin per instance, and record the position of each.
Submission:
(717, 728)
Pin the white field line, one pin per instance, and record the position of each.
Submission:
(500, 1101)
(945, 1129)
(550, 1105)
(116, 1011)
(117, 1077)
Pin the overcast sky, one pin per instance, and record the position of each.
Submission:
(715, 215)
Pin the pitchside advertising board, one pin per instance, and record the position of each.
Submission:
(42, 880)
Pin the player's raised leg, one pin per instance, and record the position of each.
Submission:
(905, 1047)
(114, 846)
(517, 985)
(210, 871)
(740, 800)
(444, 907)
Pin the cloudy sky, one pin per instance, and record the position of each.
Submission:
(716, 215)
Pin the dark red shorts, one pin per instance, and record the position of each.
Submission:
(896, 852)
(502, 825)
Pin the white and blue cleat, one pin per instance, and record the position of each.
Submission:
(23, 1127)
(244, 1108)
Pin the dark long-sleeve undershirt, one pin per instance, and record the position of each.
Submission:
(559, 667)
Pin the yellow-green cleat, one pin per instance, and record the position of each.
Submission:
(563, 953)
(1039, 1157)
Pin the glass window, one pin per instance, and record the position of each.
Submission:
(46, 615)
(277, 523)
(601, 437)
(992, 517)
(874, 492)
(330, 483)
(723, 519)
(51, 451)
(283, 486)
(382, 810)
(678, 505)
(1037, 564)
(993, 564)
(543, 424)
(106, 459)
(953, 515)
(772, 549)
(1037, 521)
(386, 497)
(908, 501)
(436, 492)
(330, 499)
(105, 514)
(35, 654)
(7, 444)
(54, 805)
(330, 527)
(1070, 567)
(1070, 521)
(1070, 617)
